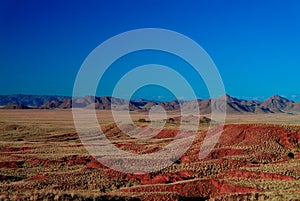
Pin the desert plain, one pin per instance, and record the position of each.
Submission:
(257, 157)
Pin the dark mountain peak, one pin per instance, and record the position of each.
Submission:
(90, 99)
(228, 98)
(175, 102)
(277, 97)
(277, 104)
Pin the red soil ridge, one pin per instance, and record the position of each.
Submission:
(37, 177)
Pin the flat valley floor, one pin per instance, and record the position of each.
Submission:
(257, 157)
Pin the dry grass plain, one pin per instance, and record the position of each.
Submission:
(41, 158)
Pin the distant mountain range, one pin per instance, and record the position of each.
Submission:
(29, 100)
(275, 104)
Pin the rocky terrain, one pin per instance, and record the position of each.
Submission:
(275, 104)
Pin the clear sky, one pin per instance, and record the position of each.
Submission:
(254, 43)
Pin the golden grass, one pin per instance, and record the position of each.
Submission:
(51, 138)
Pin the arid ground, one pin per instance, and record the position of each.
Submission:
(41, 158)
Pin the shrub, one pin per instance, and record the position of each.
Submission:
(291, 155)
(171, 120)
(142, 120)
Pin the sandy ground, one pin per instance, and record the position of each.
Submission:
(257, 158)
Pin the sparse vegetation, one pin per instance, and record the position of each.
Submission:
(142, 120)
(291, 155)
(41, 157)
(171, 120)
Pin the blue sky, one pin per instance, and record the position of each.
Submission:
(254, 44)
